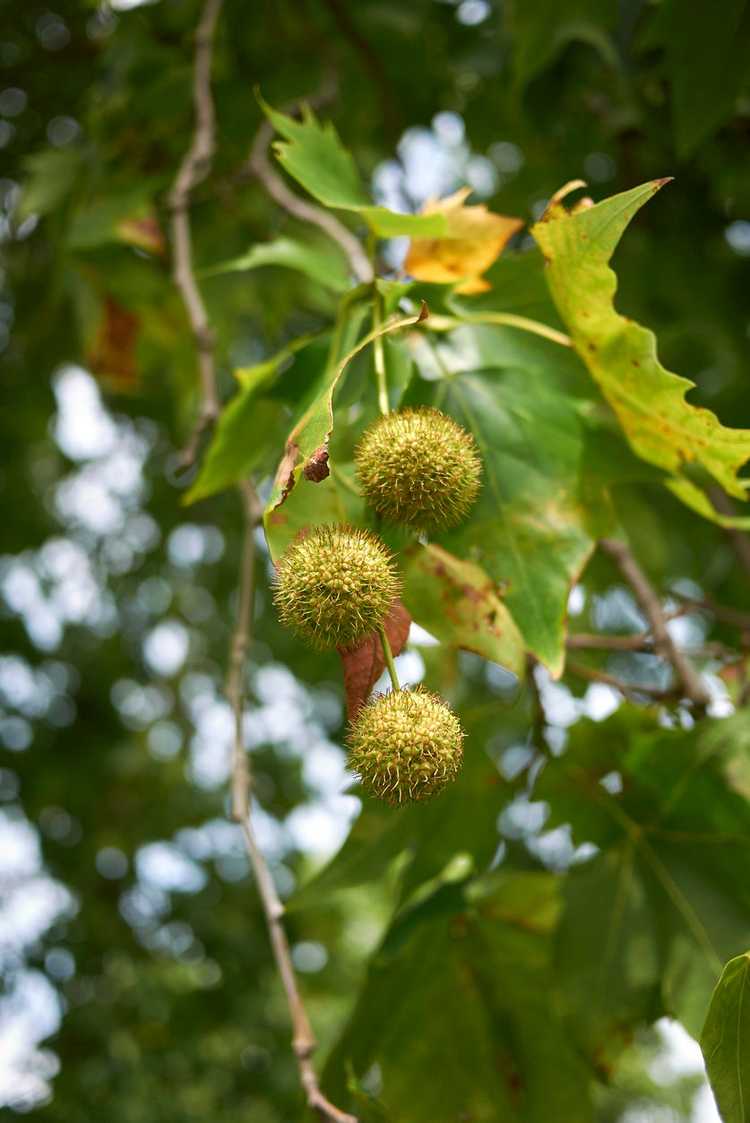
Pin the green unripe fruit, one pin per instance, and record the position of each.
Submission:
(405, 745)
(335, 585)
(420, 468)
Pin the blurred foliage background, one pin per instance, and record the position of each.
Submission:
(137, 978)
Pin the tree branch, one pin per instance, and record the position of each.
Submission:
(722, 612)
(643, 642)
(259, 166)
(629, 689)
(194, 168)
(303, 1039)
(650, 604)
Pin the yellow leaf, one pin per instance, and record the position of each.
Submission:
(474, 239)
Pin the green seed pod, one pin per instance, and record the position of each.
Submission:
(420, 468)
(405, 745)
(335, 585)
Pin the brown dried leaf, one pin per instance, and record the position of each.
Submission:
(364, 664)
(475, 238)
(112, 353)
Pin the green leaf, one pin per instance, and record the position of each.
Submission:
(725, 1041)
(50, 177)
(124, 216)
(474, 968)
(251, 428)
(313, 154)
(662, 427)
(264, 372)
(705, 52)
(322, 262)
(247, 432)
(537, 518)
(311, 433)
(663, 904)
(458, 603)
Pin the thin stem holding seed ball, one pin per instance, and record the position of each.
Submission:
(388, 656)
(379, 353)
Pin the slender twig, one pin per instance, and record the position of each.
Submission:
(644, 643)
(240, 641)
(258, 165)
(722, 612)
(639, 642)
(194, 168)
(629, 689)
(388, 656)
(303, 1038)
(650, 604)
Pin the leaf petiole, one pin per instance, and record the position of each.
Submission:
(501, 319)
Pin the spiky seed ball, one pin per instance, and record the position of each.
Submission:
(335, 585)
(405, 745)
(420, 468)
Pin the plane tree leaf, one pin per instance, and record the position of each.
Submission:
(474, 964)
(649, 920)
(649, 401)
(725, 1041)
(313, 154)
(459, 604)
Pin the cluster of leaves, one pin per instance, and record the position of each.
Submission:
(548, 496)
(525, 975)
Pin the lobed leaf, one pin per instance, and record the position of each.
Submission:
(313, 154)
(649, 920)
(649, 401)
(474, 966)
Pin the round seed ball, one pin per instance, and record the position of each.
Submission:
(335, 585)
(419, 468)
(405, 745)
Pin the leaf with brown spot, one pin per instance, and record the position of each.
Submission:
(662, 426)
(458, 603)
(364, 664)
(316, 468)
(474, 239)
